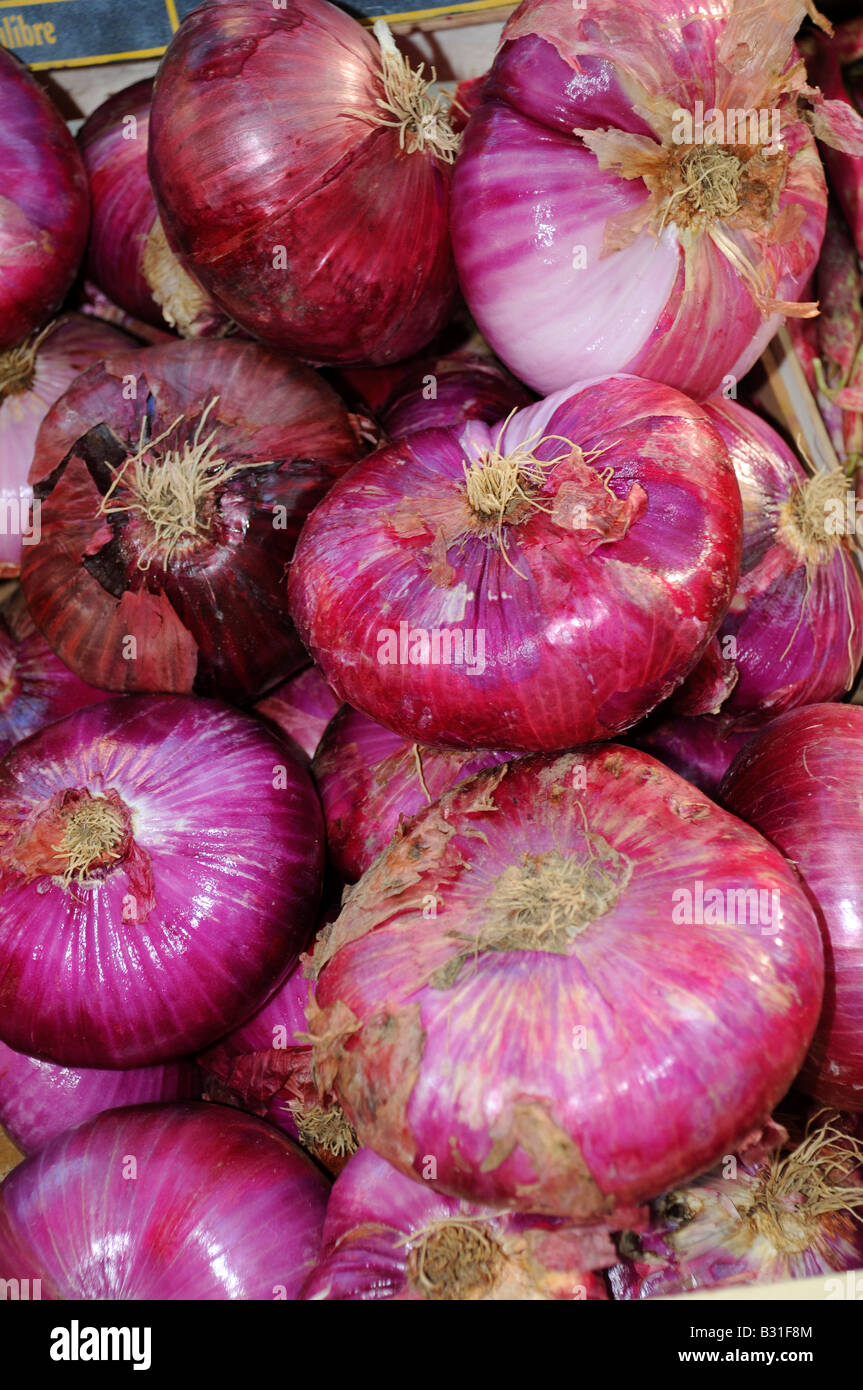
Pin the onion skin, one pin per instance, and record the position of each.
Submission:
(214, 618)
(368, 780)
(795, 628)
(595, 1073)
(38, 1100)
(701, 749)
(202, 915)
(466, 387)
(222, 1207)
(301, 708)
(831, 61)
(44, 205)
(532, 210)
(254, 145)
(35, 687)
(376, 1218)
(797, 783)
(657, 551)
(71, 346)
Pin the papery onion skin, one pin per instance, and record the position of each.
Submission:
(67, 349)
(568, 1074)
(546, 663)
(531, 207)
(700, 749)
(793, 634)
(378, 1222)
(38, 1099)
(301, 707)
(284, 194)
(222, 1206)
(44, 201)
(798, 784)
(193, 919)
(466, 387)
(212, 618)
(370, 781)
(35, 687)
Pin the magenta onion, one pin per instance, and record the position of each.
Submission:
(174, 481)
(195, 1202)
(574, 982)
(35, 687)
(370, 781)
(301, 707)
(759, 1218)
(162, 863)
(386, 1236)
(837, 67)
(38, 1100)
(302, 170)
(31, 379)
(798, 784)
(701, 749)
(531, 585)
(793, 634)
(610, 214)
(128, 255)
(447, 391)
(44, 207)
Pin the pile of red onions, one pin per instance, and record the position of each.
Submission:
(302, 172)
(573, 983)
(793, 634)
(798, 783)
(32, 377)
(44, 207)
(434, 585)
(388, 1237)
(371, 781)
(161, 868)
(195, 1202)
(128, 255)
(173, 484)
(38, 1099)
(35, 687)
(606, 215)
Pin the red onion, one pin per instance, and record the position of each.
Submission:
(301, 708)
(128, 254)
(162, 863)
(38, 1100)
(794, 632)
(31, 379)
(451, 390)
(35, 687)
(174, 481)
(836, 67)
(798, 784)
(598, 227)
(265, 1066)
(701, 749)
(44, 208)
(513, 1004)
(756, 1219)
(302, 171)
(371, 781)
(433, 586)
(195, 1202)
(388, 1237)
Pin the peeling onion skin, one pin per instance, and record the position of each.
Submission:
(369, 783)
(218, 875)
(798, 783)
(375, 1222)
(222, 1207)
(797, 628)
(529, 198)
(584, 630)
(580, 1080)
(254, 146)
(214, 619)
(44, 200)
(38, 1099)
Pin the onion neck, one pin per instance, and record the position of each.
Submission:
(185, 305)
(420, 118)
(455, 1259)
(796, 1193)
(76, 836)
(548, 900)
(804, 519)
(325, 1130)
(18, 365)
